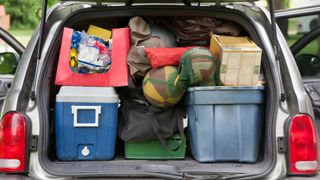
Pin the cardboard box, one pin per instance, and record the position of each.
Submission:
(240, 60)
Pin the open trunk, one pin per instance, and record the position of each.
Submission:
(113, 17)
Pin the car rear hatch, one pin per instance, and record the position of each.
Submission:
(188, 168)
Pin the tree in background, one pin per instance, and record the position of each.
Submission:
(24, 13)
(27, 13)
(51, 2)
(283, 23)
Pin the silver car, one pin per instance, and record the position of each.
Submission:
(289, 144)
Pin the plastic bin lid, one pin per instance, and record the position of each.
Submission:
(87, 94)
(209, 95)
(225, 88)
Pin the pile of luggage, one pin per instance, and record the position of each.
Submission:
(166, 81)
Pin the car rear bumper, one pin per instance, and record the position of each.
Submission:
(14, 177)
(315, 177)
(22, 177)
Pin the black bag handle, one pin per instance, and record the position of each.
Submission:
(156, 128)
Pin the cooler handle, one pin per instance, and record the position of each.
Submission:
(75, 109)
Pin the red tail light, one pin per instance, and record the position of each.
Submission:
(13, 133)
(303, 146)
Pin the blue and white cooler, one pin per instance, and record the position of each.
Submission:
(86, 123)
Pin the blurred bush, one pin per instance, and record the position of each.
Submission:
(24, 13)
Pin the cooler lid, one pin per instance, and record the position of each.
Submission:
(87, 94)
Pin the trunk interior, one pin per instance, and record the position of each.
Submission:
(120, 166)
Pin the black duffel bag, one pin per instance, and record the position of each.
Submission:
(141, 121)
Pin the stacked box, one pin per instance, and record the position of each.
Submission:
(240, 60)
(86, 123)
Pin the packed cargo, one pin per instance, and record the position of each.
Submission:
(155, 88)
(159, 92)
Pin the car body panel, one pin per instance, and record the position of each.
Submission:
(33, 113)
(7, 79)
(265, 36)
(296, 100)
(305, 11)
(11, 41)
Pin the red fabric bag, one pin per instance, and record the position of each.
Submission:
(159, 57)
(116, 76)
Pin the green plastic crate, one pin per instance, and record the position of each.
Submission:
(154, 149)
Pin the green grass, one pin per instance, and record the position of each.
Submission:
(311, 48)
(22, 35)
(293, 38)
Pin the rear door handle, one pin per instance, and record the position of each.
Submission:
(8, 85)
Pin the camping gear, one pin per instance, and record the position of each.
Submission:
(145, 36)
(198, 67)
(195, 30)
(89, 54)
(139, 30)
(140, 121)
(139, 65)
(116, 76)
(159, 57)
(86, 123)
(161, 88)
(154, 149)
(225, 123)
(137, 60)
(164, 34)
(240, 60)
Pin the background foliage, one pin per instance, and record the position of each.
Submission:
(24, 13)
(27, 13)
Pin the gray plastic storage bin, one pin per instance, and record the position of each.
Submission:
(225, 123)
